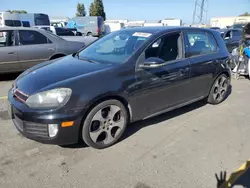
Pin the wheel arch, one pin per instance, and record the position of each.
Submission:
(227, 73)
(119, 98)
(102, 99)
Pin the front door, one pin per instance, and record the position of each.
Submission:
(165, 86)
(34, 48)
(8, 52)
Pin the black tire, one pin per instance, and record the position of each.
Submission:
(213, 94)
(88, 123)
(89, 34)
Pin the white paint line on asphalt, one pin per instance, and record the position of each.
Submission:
(3, 98)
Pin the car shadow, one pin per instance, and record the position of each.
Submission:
(9, 77)
(137, 126)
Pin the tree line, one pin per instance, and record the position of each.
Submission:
(96, 9)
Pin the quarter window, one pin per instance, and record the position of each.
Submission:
(32, 37)
(200, 43)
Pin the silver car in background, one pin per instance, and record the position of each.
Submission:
(21, 48)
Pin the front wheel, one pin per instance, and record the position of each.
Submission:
(105, 124)
(219, 90)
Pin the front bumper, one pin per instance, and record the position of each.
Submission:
(33, 124)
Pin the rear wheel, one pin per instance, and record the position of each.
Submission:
(219, 90)
(105, 124)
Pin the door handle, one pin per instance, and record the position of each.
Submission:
(11, 52)
(51, 49)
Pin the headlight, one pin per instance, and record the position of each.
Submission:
(49, 99)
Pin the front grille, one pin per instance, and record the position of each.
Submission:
(20, 95)
(37, 130)
(18, 123)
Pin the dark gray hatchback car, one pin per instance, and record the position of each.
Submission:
(126, 76)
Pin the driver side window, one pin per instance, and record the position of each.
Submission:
(167, 48)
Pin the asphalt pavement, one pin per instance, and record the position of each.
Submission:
(183, 148)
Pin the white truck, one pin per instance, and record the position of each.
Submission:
(23, 20)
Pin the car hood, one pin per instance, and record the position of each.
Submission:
(51, 72)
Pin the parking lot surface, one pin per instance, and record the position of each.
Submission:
(183, 148)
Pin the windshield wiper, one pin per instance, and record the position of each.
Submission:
(77, 55)
(86, 59)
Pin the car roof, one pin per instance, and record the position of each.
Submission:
(158, 29)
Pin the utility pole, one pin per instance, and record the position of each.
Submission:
(200, 12)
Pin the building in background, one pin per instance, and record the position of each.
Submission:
(224, 22)
(171, 22)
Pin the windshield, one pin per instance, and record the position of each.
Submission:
(114, 48)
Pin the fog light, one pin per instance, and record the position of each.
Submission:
(53, 129)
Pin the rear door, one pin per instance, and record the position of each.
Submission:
(8, 52)
(202, 51)
(34, 47)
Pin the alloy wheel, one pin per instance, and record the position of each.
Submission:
(106, 125)
(220, 89)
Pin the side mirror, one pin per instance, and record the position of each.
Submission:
(152, 62)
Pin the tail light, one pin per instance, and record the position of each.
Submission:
(97, 30)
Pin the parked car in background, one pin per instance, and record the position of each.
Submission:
(215, 28)
(125, 76)
(238, 25)
(57, 30)
(21, 48)
(68, 34)
(59, 24)
(87, 25)
(232, 38)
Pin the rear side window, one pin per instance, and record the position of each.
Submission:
(200, 43)
(32, 37)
